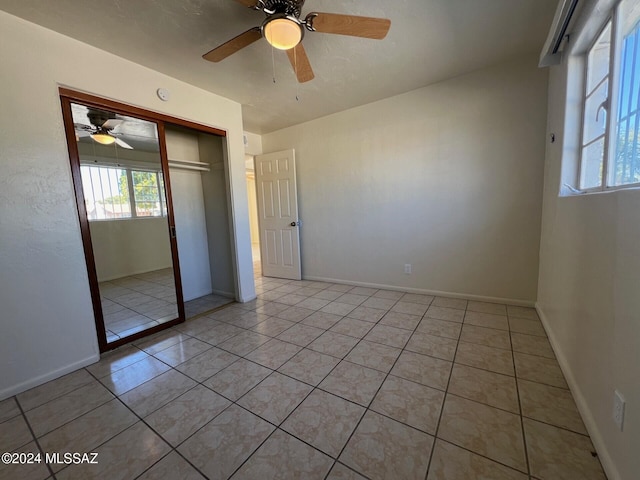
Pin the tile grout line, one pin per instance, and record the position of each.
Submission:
(444, 400)
(141, 419)
(342, 359)
(75, 418)
(446, 392)
(524, 437)
(35, 438)
(475, 401)
(234, 402)
(277, 427)
(367, 408)
(116, 396)
(314, 387)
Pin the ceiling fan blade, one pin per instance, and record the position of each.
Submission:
(123, 144)
(300, 63)
(83, 127)
(232, 46)
(248, 3)
(367, 27)
(112, 123)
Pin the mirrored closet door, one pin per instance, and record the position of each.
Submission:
(120, 172)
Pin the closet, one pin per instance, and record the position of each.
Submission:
(200, 201)
(153, 204)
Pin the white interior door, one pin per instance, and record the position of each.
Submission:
(278, 215)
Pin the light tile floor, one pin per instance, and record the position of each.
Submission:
(138, 302)
(316, 381)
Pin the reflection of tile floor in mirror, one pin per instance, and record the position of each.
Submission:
(314, 381)
(138, 302)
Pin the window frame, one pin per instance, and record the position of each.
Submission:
(608, 160)
(584, 97)
(133, 210)
(159, 190)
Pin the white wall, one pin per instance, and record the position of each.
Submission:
(181, 145)
(47, 320)
(447, 178)
(131, 246)
(588, 295)
(253, 144)
(189, 216)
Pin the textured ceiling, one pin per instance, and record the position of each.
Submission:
(429, 40)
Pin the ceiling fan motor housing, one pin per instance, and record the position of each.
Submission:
(99, 117)
(283, 15)
(291, 8)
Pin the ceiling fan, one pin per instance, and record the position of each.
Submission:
(101, 129)
(284, 29)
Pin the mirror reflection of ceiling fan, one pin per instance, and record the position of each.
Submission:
(284, 29)
(103, 129)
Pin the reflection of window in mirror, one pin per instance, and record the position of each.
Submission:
(107, 196)
(120, 165)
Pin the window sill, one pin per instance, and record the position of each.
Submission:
(569, 191)
(126, 219)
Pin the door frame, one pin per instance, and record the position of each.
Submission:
(67, 96)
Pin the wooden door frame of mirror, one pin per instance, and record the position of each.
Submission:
(67, 97)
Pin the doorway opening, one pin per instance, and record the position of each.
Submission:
(254, 228)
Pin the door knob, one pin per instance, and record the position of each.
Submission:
(293, 224)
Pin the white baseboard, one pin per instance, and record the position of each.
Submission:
(589, 422)
(132, 273)
(247, 299)
(438, 293)
(194, 296)
(222, 293)
(34, 382)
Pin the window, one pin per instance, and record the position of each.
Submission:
(610, 147)
(107, 197)
(626, 166)
(148, 193)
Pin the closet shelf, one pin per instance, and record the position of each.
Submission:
(189, 165)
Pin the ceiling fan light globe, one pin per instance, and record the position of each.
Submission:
(283, 33)
(103, 138)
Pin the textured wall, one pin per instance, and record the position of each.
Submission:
(588, 293)
(447, 178)
(47, 319)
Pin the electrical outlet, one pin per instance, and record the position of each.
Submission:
(407, 268)
(618, 409)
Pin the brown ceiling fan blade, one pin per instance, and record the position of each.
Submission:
(232, 46)
(248, 3)
(367, 27)
(300, 63)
